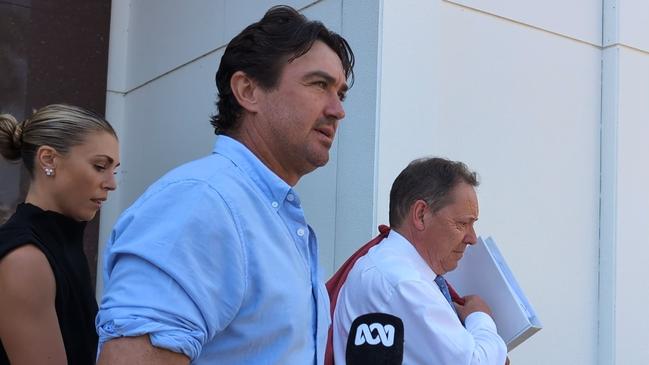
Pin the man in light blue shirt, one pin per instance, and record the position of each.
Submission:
(215, 262)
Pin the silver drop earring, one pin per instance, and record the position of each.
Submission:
(49, 171)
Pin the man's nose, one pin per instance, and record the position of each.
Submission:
(335, 108)
(471, 237)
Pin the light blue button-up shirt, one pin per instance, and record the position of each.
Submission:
(216, 261)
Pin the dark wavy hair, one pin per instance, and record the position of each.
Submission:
(261, 51)
(429, 179)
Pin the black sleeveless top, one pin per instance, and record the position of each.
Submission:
(60, 239)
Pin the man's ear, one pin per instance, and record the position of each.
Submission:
(417, 212)
(46, 157)
(245, 90)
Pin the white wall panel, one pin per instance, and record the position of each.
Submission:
(608, 206)
(409, 92)
(241, 13)
(329, 12)
(632, 286)
(164, 34)
(167, 124)
(522, 107)
(580, 19)
(633, 23)
(357, 137)
(525, 112)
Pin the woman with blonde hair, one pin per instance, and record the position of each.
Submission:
(47, 302)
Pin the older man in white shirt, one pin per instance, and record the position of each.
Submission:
(433, 207)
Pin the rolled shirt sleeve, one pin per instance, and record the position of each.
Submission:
(174, 269)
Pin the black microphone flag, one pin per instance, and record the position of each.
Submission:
(375, 338)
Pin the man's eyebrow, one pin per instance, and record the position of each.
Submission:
(330, 79)
(469, 217)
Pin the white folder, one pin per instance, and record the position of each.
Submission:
(483, 271)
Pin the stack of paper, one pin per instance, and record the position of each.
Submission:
(483, 271)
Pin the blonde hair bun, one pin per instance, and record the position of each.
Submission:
(11, 137)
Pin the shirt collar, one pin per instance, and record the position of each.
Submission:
(272, 186)
(404, 247)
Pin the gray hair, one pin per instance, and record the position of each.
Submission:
(429, 179)
(59, 126)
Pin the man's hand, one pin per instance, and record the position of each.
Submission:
(472, 303)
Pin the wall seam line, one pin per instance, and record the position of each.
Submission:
(526, 25)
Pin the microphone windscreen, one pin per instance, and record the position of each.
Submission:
(375, 338)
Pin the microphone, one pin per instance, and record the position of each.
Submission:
(376, 339)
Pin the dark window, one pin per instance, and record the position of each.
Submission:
(50, 52)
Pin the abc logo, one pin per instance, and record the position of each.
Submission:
(374, 333)
(375, 338)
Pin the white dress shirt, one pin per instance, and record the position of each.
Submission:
(393, 278)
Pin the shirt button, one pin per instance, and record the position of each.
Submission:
(300, 232)
(274, 204)
(290, 197)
